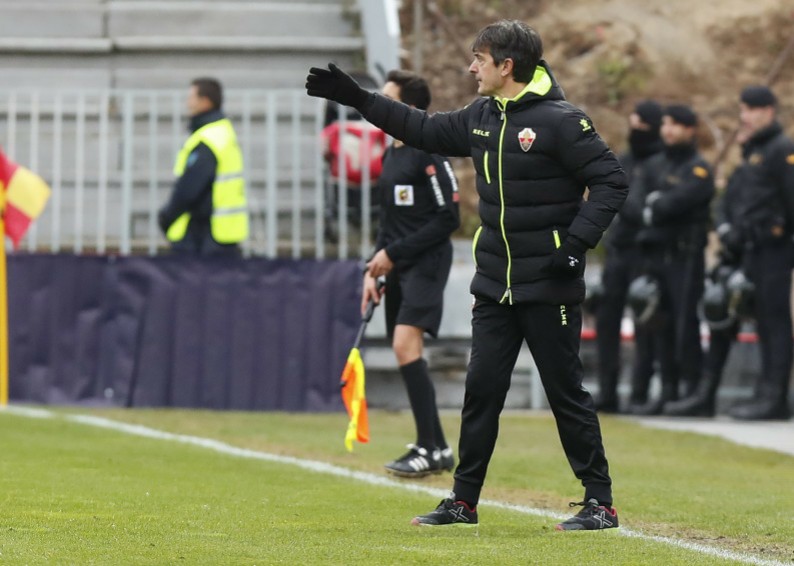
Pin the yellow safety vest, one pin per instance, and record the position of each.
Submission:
(229, 221)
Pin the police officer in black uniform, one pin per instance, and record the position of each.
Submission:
(679, 186)
(534, 154)
(622, 255)
(755, 229)
(419, 212)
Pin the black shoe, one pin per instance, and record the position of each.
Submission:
(444, 460)
(418, 462)
(762, 410)
(593, 517)
(448, 512)
(694, 406)
(606, 406)
(649, 409)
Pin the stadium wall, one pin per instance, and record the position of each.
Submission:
(248, 334)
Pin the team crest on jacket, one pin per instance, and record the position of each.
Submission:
(526, 138)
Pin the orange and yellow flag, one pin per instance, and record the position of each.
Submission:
(25, 196)
(355, 399)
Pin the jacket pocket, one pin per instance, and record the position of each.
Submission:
(485, 168)
(474, 245)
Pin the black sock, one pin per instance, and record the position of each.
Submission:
(422, 396)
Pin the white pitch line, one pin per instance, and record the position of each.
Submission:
(372, 479)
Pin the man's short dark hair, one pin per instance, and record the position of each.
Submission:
(413, 88)
(512, 39)
(211, 89)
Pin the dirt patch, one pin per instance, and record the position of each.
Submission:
(609, 54)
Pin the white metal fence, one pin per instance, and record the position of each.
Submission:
(108, 156)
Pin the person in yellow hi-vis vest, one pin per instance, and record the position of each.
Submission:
(207, 213)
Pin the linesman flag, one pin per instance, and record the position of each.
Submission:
(25, 196)
(355, 399)
(354, 394)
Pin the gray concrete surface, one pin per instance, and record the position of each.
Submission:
(773, 435)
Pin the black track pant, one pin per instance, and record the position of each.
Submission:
(552, 333)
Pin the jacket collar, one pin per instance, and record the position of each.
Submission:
(201, 120)
(543, 86)
(765, 134)
(680, 152)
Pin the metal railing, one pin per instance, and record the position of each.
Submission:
(108, 156)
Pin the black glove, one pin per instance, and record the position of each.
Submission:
(731, 241)
(568, 259)
(334, 84)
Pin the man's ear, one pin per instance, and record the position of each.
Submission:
(507, 67)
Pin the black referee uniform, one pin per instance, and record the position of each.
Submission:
(419, 211)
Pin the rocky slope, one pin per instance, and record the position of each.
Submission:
(608, 54)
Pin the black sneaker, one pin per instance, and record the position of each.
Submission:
(448, 512)
(416, 463)
(593, 517)
(444, 460)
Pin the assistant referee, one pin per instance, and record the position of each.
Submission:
(419, 212)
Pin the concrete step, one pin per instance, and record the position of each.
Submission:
(175, 22)
(153, 69)
(143, 44)
(64, 19)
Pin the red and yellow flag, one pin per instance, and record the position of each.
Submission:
(25, 196)
(355, 399)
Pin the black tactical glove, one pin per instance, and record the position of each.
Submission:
(568, 259)
(334, 84)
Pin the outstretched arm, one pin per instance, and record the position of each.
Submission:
(445, 133)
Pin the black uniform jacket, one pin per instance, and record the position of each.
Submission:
(534, 156)
(679, 186)
(628, 222)
(758, 204)
(419, 204)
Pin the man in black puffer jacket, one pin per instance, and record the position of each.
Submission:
(534, 154)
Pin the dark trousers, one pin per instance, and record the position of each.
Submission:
(620, 269)
(553, 333)
(675, 331)
(769, 267)
(720, 343)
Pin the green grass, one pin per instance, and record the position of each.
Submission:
(75, 494)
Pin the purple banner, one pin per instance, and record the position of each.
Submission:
(172, 331)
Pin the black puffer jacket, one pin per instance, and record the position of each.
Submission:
(534, 155)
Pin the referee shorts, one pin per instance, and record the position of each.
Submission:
(415, 294)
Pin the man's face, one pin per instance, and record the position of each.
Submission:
(392, 90)
(490, 77)
(674, 133)
(754, 119)
(197, 104)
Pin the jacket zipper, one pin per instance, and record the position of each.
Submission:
(557, 242)
(508, 296)
(485, 167)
